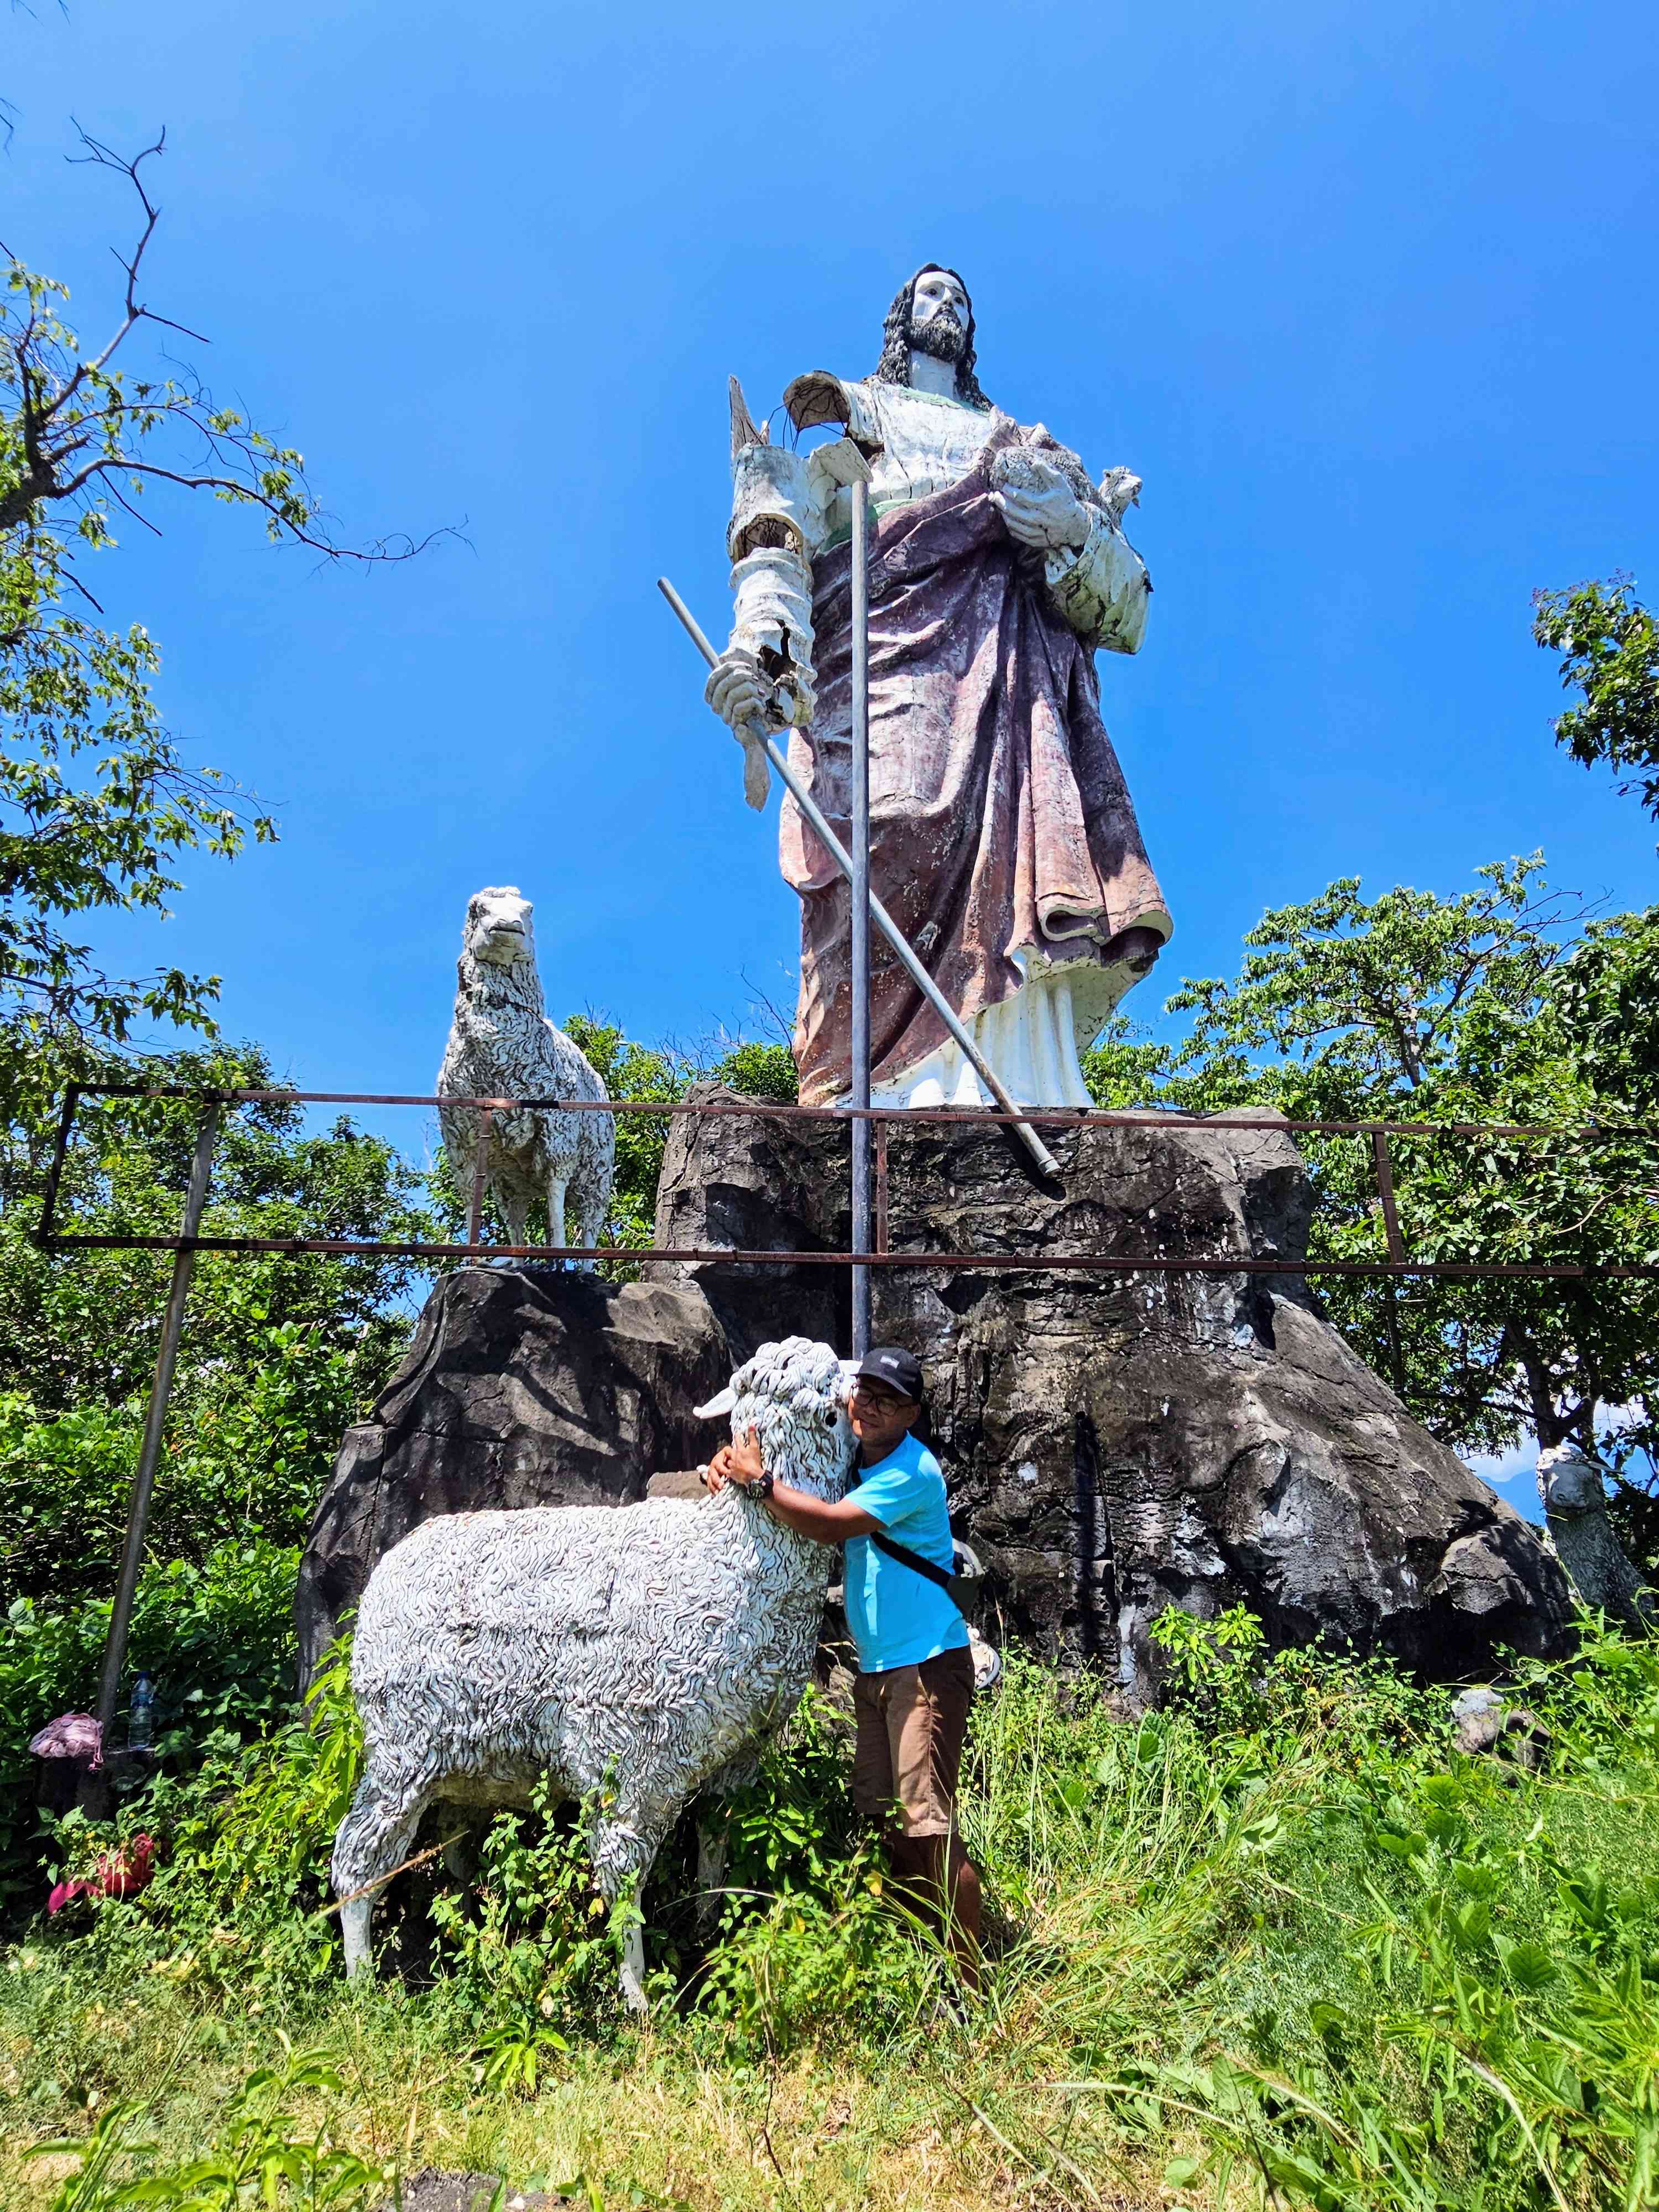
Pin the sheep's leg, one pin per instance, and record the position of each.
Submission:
(622, 1854)
(713, 1850)
(590, 1222)
(556, 1191)
(373, 1837)
(515, 1212)
(457, 1858)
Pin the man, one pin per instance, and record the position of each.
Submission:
(916, 1679)
(1003, 840)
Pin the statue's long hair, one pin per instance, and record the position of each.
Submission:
(894, 366)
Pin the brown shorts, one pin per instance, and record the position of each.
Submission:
(911, 1723)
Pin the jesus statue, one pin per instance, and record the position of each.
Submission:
(1002, 838)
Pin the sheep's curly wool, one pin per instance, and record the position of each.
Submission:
(501, 1045)
(629, 1654)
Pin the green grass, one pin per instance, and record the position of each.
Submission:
(1282, 1945)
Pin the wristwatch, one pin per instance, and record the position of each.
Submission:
(760, 1486)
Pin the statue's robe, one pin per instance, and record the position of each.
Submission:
(1002, 841)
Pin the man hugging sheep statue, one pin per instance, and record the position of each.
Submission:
(916, 1680)
(634, 1657)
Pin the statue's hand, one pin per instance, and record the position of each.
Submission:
(1045, 515)
(736, 690)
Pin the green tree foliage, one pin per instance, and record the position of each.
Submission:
(279, 1353)
(98, 803)
(1473, 1009)
(1609, 648)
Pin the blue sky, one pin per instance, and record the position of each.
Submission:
(1366, 296)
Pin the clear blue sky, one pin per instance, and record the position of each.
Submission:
(1366, 295)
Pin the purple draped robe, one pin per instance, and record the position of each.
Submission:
(1000, 820)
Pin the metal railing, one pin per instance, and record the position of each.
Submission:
(189, 1241)
(52, 1238)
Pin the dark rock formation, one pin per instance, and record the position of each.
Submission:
(1115, 1442)
(519, 1388)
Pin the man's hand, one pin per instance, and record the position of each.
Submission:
(736, 690)
(739, 1463)
(1048, 516)
(812, 1515)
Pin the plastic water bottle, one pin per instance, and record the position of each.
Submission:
(141, 1712)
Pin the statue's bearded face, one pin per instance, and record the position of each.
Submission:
(938, 315)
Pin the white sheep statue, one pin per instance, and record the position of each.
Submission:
(501, 1045)
(633, 1655)
(1575, 1501)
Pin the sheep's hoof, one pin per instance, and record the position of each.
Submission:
(632, 1972)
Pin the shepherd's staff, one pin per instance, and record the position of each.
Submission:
(752, 735)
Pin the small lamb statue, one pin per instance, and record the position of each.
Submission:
(1575, 1501)
(634, 1655)
(501, 1045)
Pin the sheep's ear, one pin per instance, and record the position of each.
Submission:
(716, 1407)
(849, 1373)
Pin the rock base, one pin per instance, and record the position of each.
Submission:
(1118, 1443)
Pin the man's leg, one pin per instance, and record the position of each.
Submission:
(873, 1786)
(929, 1733)
(945, 1880)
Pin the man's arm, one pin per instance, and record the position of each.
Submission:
(765, 674)
(825, 1523)
(816, 1517)
(1096, 580)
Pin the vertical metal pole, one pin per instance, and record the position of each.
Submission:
(859, 492)
(1396, 1254)
(55, 1173)
(183, 1264)
(880, 1244)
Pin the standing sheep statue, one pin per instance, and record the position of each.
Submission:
(631, 1654)
(1575, 1501)
(501, 1045)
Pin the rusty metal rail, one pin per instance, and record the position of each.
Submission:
(1399, 1263)
(211, 1105)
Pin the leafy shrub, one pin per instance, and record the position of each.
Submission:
(216, 1640)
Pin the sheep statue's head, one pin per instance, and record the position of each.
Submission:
(1570, 1482)
(793, 1395)
(501, 928)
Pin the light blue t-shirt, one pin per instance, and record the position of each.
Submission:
(897, 1616)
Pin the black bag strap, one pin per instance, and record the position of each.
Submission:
(942, 1577)
(906, 1558)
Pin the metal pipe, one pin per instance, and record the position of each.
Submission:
(859, 493)
(143, 1482)
(884, 920)
(1235, 1263)
(881, 1129)
(55, 1172)
(1055, 1117)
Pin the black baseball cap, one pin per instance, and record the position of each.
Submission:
(899, 1369)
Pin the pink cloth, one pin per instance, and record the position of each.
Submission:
(71, 1735)
(999, 815)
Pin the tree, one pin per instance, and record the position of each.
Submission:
(1609, 645)
(1475, 1009)
(279, 1353)
(98, 804)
